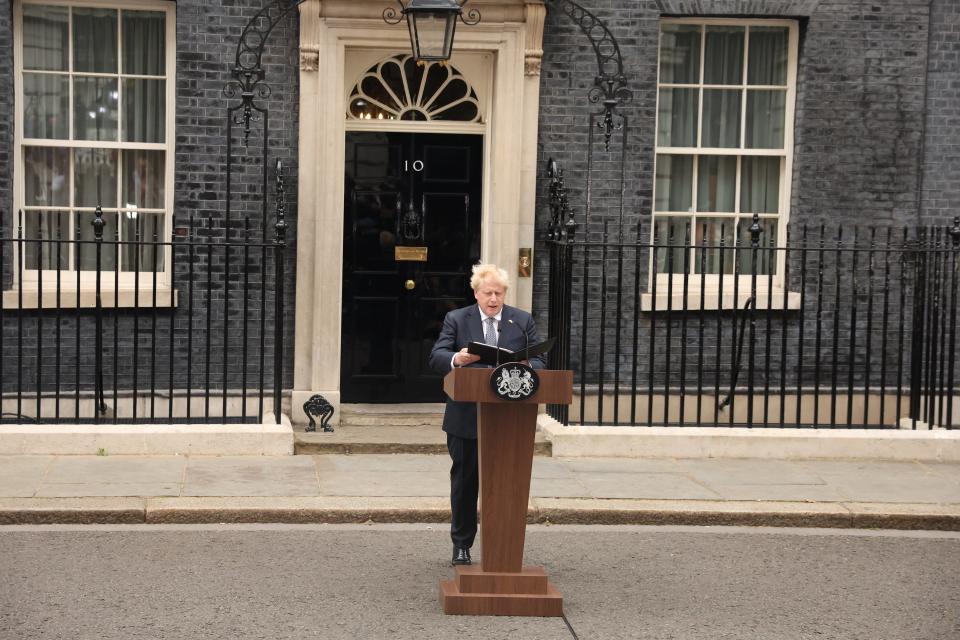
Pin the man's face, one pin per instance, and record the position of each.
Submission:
(489, 296)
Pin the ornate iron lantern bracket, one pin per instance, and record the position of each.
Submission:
(610, 84)
(562, 225)
(248, 74)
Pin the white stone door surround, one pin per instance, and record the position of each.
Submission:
(511, 32)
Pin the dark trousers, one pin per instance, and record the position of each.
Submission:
(464, 487)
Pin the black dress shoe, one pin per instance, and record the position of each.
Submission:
(461, 555)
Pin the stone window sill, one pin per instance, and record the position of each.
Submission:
(713, 301)
(122, 298)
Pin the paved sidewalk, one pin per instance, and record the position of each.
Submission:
(414, 488)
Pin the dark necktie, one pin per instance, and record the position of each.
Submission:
(489, 333)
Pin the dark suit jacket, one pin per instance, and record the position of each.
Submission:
(461, 327)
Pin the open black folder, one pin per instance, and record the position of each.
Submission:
(488, 353)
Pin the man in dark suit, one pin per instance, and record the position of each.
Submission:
(492, 322)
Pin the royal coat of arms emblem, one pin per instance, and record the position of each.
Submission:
(514, 381)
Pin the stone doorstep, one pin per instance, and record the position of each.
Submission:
(770, 443)
(414, 414)
(267, 439)
(348, 510)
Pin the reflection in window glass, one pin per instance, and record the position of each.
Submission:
(680, 54)
(721, 118)
(760, 185)
(717, 183)
(85, 257)
(714, 236)
(46, 227)
(46, 180)
(144, 110)
(674, 183)
(46, 106)
(144, 43)
(45, 38)
(143, 179)
(766, 112)
(768, 56)
(671, 235)
(142, 235)
(75, 89)
(723, 58)
(677, 117)
(95, 108)
(94, 40)
(95, 178)
(766, 256)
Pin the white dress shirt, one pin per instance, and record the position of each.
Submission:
(483, 318)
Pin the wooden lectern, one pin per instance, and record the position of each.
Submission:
(501, 585)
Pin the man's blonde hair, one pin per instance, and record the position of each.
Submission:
(483, 272)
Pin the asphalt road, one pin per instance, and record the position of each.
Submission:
(380, 582)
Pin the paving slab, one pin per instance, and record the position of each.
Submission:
(105, 489)
(779, 492)
(378, 463)
(116, 470)
(645, 485)
(251, 476)
(622, 465)
(389, 483)
(759, 472)
(557, 487)
(20, 476)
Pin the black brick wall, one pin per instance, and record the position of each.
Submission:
(6, 115)
(206, 35)
(941, 163)
(873, 111)
(858, 148)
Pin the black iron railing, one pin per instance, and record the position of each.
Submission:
(819, 328)
(186, 330)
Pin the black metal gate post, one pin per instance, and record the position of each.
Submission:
(279, 248)
(100, 406)
(917, 333)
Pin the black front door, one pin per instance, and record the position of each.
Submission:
(411, 233)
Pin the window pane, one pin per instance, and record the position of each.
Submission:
(144, 108)
(766, 255)
(717, 183)
(671, 235)
(714, 237)
(760, 186)
(680, 54)
(85, 257)
(95, 40)
(723, 58)
(674, 183)
(44, 38)
(766, 111)
(677, 117)
(143, 173)
(144, 43)
(95, 108)
(47, 226)
(45, 177)
(46, 106)
(95, 182)
(768, 56)
(721, 118)
(140, 233)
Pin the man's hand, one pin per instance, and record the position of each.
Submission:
(464, 357)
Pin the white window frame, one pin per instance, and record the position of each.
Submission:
(713, 284)
(27, 292)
